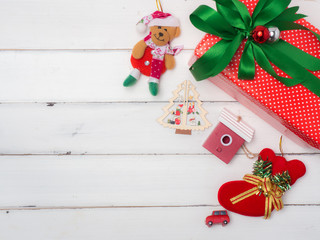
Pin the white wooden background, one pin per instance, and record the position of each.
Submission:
(84, 158)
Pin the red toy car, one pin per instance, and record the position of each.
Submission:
(218, 217)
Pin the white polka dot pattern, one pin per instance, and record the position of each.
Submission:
(297, 107)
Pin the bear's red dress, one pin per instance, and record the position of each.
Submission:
(144, 64)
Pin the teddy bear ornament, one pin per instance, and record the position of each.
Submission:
(153, 55)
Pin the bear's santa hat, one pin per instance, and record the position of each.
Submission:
(157, 19)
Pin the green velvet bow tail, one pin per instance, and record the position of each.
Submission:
(233, 23)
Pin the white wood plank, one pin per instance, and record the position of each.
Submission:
(104, 181)
(155, 223)
(87, 76)
(98, 24)
(128, 128)
(85, 24)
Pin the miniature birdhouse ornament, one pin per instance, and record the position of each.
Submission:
(228, 136)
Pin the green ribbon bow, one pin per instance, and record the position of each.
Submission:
(233, 23)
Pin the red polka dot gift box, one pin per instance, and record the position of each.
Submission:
(267, 56)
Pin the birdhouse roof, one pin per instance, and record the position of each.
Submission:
(236, 125)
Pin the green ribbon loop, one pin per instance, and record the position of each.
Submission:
(233, 23)
(216, 58)
(241, 17)
(210, 21)
(289, 15)
(269, 10)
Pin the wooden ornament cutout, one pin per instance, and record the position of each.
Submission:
(184, 111)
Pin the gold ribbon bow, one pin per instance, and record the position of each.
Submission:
(272, 193)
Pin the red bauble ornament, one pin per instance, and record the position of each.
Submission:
(260, 34)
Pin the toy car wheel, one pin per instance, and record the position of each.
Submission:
(225, 222)
(210, 223)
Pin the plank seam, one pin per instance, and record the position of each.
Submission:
(28, 208)
(53, 103)
(139, 154)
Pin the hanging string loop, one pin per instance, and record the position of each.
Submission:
(280, 146)
(159, 6)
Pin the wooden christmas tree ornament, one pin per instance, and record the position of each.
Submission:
(184, 112)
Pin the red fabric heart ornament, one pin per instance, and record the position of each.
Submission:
(255, 204)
